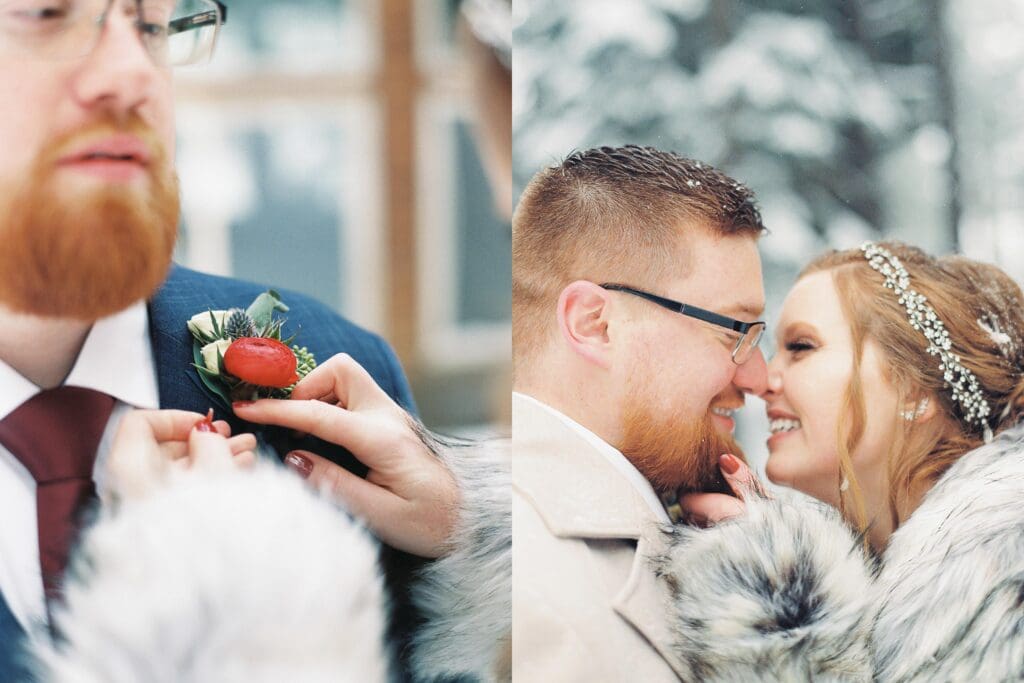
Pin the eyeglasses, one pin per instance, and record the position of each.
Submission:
(750, 333)
(174, 32)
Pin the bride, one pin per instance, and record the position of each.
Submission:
(894, 401)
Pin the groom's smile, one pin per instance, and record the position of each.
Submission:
(724, 419)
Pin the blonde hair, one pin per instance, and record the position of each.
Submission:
(983, 310)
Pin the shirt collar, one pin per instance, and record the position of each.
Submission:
(612, 455)
(117, 359)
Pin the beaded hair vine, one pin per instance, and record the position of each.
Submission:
(966, 389)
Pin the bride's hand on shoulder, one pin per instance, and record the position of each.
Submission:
(149, 443)
(706, 509)
(408, 499)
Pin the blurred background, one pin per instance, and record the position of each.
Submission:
(851, 119)
(345, 149)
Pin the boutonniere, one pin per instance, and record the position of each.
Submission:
(240, 355)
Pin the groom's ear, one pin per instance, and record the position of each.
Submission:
(583, 321)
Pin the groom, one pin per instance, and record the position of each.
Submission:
(623, 397)
(92, 313)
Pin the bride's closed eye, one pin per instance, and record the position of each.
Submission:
(800, 346)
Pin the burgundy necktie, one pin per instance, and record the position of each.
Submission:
(55, 435)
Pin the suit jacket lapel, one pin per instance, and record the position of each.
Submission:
(169, 310)
(601, 504)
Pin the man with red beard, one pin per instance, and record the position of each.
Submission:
(92, 312)
(636, 296)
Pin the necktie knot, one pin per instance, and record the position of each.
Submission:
(55, 433)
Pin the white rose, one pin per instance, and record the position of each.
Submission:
(210, 354)
(200, 324)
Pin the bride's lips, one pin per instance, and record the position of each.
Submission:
(782, 424)
(117, 158)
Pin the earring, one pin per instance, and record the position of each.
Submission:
(844, 485)
(911, 415)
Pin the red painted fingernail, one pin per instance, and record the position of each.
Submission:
(729, 463)
(241, 404)
(299, 463)
(206, 424)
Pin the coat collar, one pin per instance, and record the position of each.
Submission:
(599, 503)
(579, 494)
(644, 601)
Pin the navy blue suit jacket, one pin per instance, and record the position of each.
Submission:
(321, 330)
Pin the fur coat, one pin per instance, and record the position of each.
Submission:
(785, 592)
(246, 575)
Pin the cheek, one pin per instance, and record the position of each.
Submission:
(880, 431)
(816, 390)
(163, 120)
(807, 460)
(23, 127)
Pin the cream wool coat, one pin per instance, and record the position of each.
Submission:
(586, 603)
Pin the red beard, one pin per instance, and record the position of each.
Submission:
(88, 255)
(675, 454)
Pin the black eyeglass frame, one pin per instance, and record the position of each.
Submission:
(743, 328)
(199, 20)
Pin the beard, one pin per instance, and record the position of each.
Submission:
(91, 252)
(676, 454)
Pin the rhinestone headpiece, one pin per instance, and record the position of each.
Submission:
(922, 317)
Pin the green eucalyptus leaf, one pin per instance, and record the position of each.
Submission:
(262, 309)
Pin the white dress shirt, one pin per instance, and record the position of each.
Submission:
(614, 456)
(117, 359)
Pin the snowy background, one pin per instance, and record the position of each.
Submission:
(850, 119)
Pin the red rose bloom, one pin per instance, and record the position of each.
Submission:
(261, 361)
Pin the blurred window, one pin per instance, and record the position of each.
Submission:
(312, 159)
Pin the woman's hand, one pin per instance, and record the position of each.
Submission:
(149, 443)
(408, 498)
(710, 508)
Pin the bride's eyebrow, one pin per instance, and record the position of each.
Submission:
(784, 331)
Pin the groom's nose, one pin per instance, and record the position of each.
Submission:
(752, 376)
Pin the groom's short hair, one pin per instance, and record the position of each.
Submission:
(613, 214)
